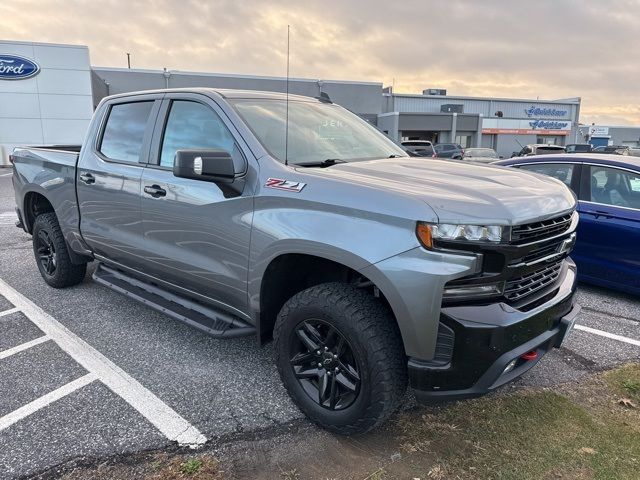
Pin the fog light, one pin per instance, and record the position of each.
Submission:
(485, 290)
(510, 366)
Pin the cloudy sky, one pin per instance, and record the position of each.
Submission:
(509, 48)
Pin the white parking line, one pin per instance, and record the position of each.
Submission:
(6, 174)
(163, 417)
(8, 218)
(613, 336)
(9, 312)
(22, 347)
(49, 398)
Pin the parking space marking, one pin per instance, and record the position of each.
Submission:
(158, 413)
(24, 346)
(613, 336)
(9, 312)
(6, 174)
(45, 400)
(8, 218)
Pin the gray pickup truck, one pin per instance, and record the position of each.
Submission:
(370, 269)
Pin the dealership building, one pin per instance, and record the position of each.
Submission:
(603, 135)
(49, 91)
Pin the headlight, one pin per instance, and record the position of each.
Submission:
(428, 233)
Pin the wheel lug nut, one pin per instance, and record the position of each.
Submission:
(319, 365)
(335, 356)
(318, 352)
(337, 369)
(326, 348)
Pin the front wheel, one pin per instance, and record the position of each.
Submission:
(340, 357)
(52, 256)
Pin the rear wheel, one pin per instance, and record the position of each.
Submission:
(52, 256)
(340, 356)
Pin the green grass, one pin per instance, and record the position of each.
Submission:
(626, 381)
(533, 435)
(191, 466)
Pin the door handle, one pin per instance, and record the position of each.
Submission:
(87, 178)
(599, 213)
(155, 191)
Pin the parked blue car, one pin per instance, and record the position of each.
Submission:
(607, 251)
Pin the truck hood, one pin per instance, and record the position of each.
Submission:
(459, 192)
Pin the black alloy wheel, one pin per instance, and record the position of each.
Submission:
(325, 365)
(340, 356)
(46, 252)
(52, 254)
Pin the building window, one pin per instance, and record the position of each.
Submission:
(463, 140)
(548, 140)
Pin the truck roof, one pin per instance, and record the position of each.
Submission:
(223, 92)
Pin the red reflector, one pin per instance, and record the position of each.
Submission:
(532, 355)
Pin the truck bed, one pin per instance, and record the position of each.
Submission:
(47, 174)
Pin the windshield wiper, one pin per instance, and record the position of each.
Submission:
(323, 164)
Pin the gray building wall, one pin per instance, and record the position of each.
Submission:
(616, 135)
(511, 108)
(363, 98)
(514, 119)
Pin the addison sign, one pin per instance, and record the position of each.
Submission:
(14, 67)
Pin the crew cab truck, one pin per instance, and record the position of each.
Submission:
(368, 268)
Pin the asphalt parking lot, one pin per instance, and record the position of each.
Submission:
(86, 372)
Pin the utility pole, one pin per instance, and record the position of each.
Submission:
(128, 60)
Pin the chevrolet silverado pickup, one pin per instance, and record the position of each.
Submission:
(294, 220)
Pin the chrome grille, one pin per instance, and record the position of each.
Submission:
(521, 287)
(532, 232)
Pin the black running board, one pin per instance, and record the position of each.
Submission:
(194, 314)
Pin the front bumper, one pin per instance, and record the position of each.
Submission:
(487, 338)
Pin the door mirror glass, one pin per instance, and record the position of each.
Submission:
(207, 165)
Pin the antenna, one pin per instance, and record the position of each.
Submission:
(128, 60)
(286, 124)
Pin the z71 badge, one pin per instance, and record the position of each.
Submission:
(284, 184)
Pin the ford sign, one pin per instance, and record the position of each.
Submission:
(13, 67)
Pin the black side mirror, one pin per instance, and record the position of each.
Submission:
(208, 165)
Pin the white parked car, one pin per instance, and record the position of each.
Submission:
(480, 155)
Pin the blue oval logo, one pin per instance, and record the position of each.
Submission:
(13, 67)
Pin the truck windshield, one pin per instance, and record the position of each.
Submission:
(317, 132)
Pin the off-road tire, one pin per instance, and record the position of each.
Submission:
(66, 273)
(372, 332)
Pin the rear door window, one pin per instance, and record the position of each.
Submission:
(123, 134)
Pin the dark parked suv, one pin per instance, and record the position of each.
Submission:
(449, 150)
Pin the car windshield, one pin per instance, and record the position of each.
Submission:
(480, 152)
(317, 132)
